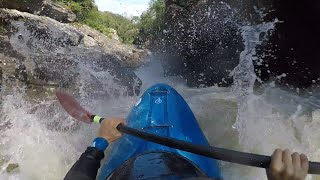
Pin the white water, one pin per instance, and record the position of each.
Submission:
(45, 141)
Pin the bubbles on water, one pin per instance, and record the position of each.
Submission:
(36, 133)
(28, 142)
(44, 141)
(273, 119)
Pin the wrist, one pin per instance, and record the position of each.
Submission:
(100, 143)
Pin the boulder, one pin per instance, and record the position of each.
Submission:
(291, 53)
(58, 13)
(41, 51)
(130, 56)
(31, 6)
(201, 42)
(40, 7)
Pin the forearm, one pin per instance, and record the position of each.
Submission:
(87, 166)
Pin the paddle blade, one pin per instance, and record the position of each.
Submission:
(72, 107)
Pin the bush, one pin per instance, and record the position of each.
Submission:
(87, 13)
(152, 21)
(80, 7)
(103, 21)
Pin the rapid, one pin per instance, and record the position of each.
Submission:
(43, 142)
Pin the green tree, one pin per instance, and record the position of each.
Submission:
(147, 27)
(80, 7)
(87, 13)
(152, 21)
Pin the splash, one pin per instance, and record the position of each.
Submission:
(273, 119)
(38, 139)
(44, 141)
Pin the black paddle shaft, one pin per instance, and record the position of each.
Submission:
(248, 159)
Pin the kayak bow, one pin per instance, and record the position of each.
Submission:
(163, 117)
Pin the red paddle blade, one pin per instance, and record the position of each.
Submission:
(73, 108)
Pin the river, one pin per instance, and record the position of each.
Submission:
(40, 138)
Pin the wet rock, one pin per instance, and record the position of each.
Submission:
(316, 116)
(7, 50)
(21, 73)
(130, 56)
(12, 168)
(58, 13)
(291, 53)
(41, 51)
(31, 6)
(40, 7)
(201, 42)
(1, 78)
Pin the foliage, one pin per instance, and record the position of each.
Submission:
(152, 21)
(87, 13)
(103, 21)
(80, 7)
(3, 31)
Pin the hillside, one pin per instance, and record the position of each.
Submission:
(106, 22)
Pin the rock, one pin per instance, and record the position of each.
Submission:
(130, 56)
(6, 48)
(40, 7)
(31, 6)
(41, 51)
(201, 42)
(291, 53)
(58, 13)
(316, 116)
(12, 168)
(1, 77)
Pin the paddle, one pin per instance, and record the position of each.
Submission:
(74, 109)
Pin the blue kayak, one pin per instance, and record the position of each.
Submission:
(161, 110)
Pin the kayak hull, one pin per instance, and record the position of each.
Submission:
(161, 110)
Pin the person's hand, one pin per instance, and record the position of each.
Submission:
(287, 166)
(108, 129)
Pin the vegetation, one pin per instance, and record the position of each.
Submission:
(103, 21)
(80, 7)
(3, 31)
(87, 13)
(150, 23)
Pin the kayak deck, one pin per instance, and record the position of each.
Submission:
(161, 110)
